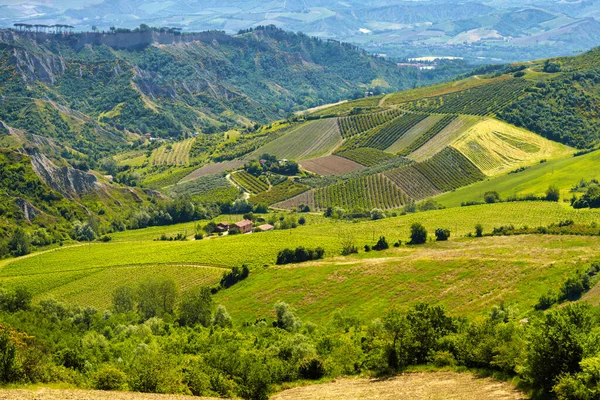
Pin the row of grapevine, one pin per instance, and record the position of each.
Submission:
(368, 192)
(449, 170)
(280, 192)
(306, 198)
(425, 137)
(367, 156)
(385, 135)
(479, 100)
(173, 154)
(355, 124)
(412, 182)
(249, 182)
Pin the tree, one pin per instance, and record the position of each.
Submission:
(553, 193)
(491, 197)
(19, 243)
(418, 233)
(8, 357)
(442, 234)
(123, 299)
(286, 318)
(157, 297)
(110, 166)
(558, 343)
(196, 307)
(377, 213)
(381, 244)
(222, 318)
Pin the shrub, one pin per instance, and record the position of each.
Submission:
(367, 248)
(382, 244)
(442, 234)
(109, 378)
(300, 254)
(376, 214)
(418, 233)
(553, 193)
(311, 368)
(231, 278)
(478, 230)
(491, 197)
(302, 221)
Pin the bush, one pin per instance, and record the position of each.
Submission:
(236, 275)
(479, 230)
(109, 378)
(311, 368)
(301, 254)
(491, 197)
(553, 193)
(442, 234)
(376, 214)
(382, 244)
(418, 233)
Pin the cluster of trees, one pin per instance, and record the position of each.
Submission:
(554, 353)
(590, 199)
(300, 254)
(270, 163)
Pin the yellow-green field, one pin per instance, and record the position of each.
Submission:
(564, 173)
(88, 273)
(177, 153)
(496, 147)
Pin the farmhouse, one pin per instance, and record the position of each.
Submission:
(222, 227)
(244, 226)
(266, 227)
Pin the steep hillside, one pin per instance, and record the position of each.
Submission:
(100, 92)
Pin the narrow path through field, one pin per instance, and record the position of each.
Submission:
(411, 386)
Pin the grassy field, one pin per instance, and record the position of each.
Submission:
(496, 147)
(87, 273)
(564, 173)
(309, 140)
(468, 276)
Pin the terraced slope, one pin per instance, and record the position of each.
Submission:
(309, 140)
(177, 153)
(427, 135)
(444, 138)
(249, 182)
(449, 170)
(355, 124)
(496, 147)
(373, 191)
(367, 156)
(413, 133)
(413, 182)
(387, 134)
(330, 165)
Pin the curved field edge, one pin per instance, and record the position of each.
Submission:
(467, 276)
(414, 386)
(77, 394)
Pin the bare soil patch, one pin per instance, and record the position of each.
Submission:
(330, 165)
(413, 386)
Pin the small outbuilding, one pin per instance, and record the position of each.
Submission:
(266, 227)
(222, 227)
(244, 226)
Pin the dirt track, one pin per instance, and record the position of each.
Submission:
(415, 386)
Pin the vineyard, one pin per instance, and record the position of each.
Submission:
(212, 169)
(309, 140)
(496, 147)
(173, 154)
(280, 192)
(449, 170)
(249, 182)
(208, 189)
(306, 198)
(385, 135)
(413, 133)
(412, 182)
(374, 191)
(424, 138)
(367, 156)
(355, 124)
(479, 100)
(330, 165)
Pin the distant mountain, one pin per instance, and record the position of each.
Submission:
(480, 31)
(98, 93)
